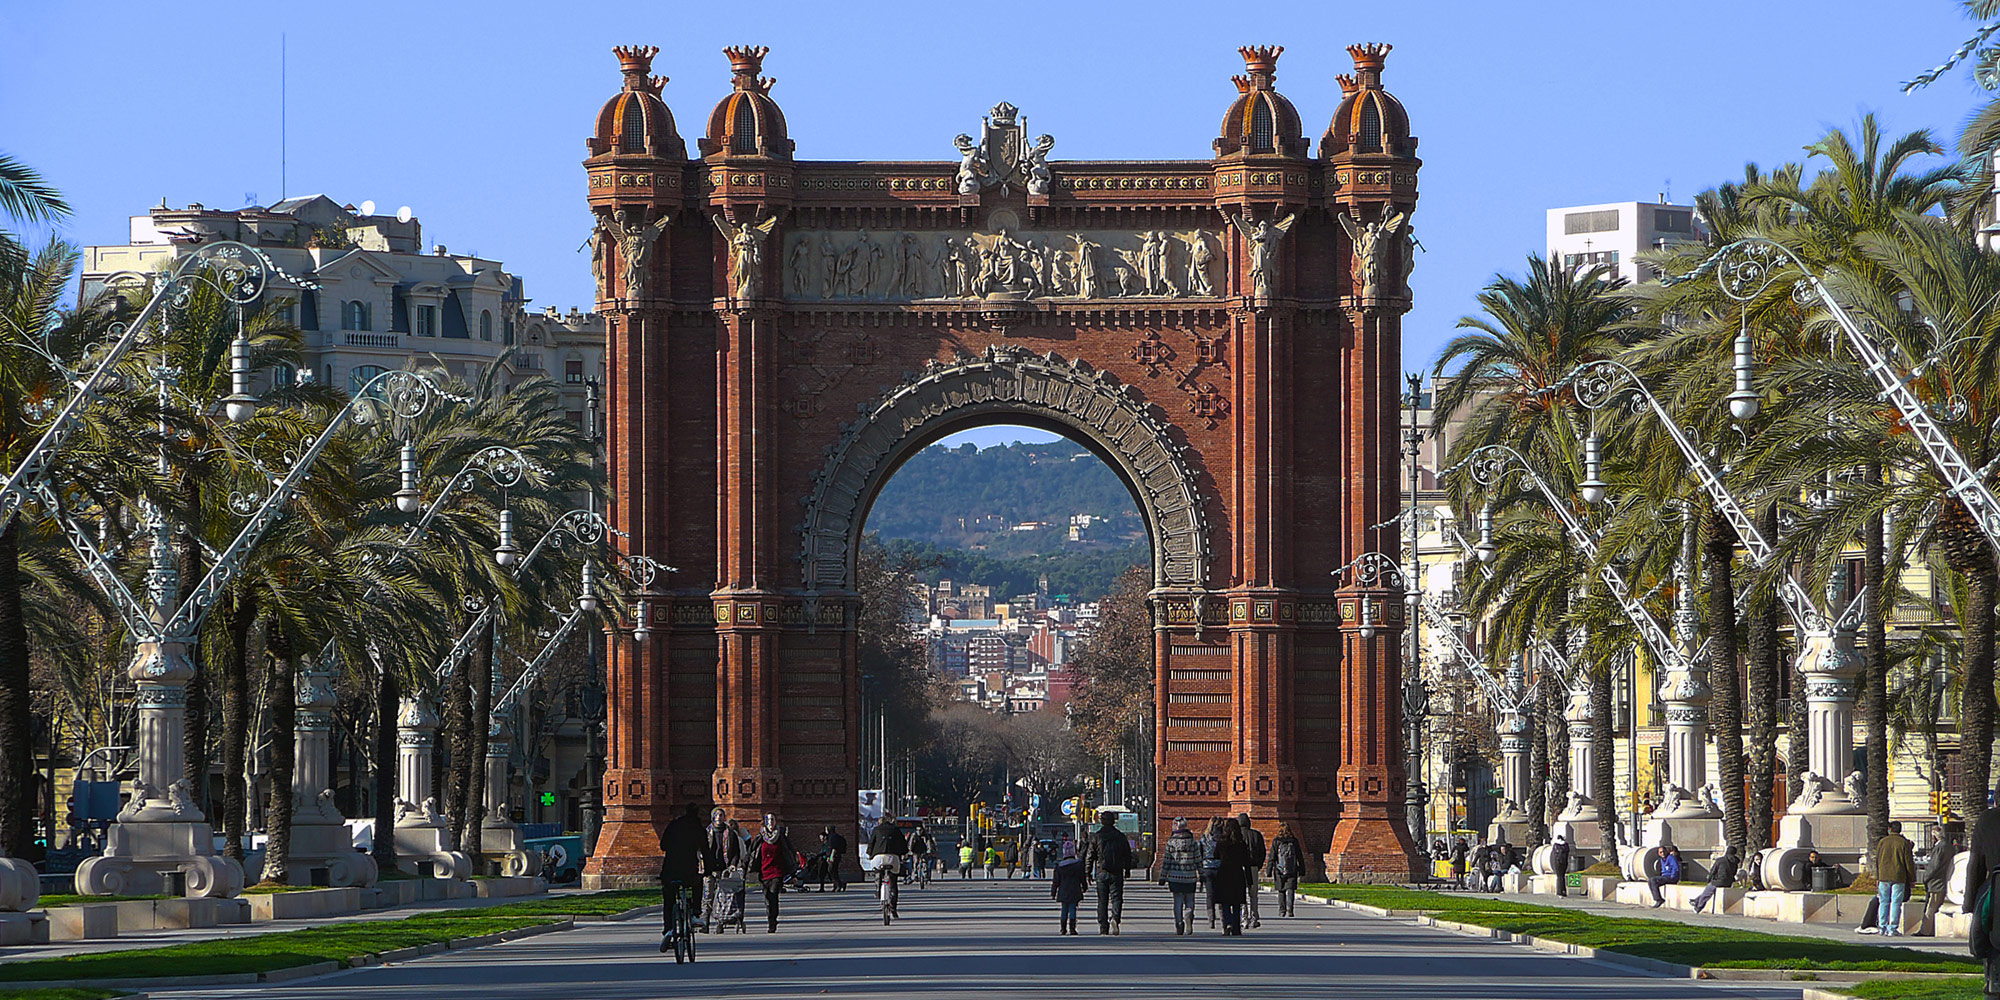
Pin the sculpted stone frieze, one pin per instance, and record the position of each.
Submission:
(862, 265)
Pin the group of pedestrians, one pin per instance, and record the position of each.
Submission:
(1480, 865)
(714, 861)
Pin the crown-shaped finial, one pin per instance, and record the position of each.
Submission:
(635, 61)
(1261, 62)
(1370, 56)
(745, 62)
(1347, 84)
(1242, 83)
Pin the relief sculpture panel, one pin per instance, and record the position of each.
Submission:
(866, 266)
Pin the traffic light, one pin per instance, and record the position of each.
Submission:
(548, 798)
(1941, 803)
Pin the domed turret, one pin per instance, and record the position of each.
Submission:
(1261, 120)
(1370, 120)
(748, 122)
(636, 121)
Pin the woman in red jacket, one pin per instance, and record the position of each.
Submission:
(775, 859)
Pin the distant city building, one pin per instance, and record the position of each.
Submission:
(1616, 233)
(382, 303)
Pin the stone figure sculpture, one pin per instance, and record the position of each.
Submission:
(1039, 177)
(1852, 785)
(1711, 797)
(1370, 241)
(746, 253)
(1409, 254)
(1086, 266)
(972, 167)
(829, 263)
(598, 268)
(635, 242)
(1812, 788)
(801, 266)
(1263, 237)
(1199, 256)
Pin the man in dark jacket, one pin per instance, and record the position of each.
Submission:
(832, 848)
(1937, 877)
(887, 847)
(725, 851)
(683, 858)
(1255, 842)
(1559, 864)
(1721, 875)
(1894, 871)
(1110, 855)
(1458, 861)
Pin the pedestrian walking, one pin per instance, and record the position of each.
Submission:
(1180, 872)
(775, 859)
(1979, 878)
(992, 861)
(1670, 873)
(1013, 858)
(1559, 863)
(1721, 875)
(1937, 877)
(1041, 856)
(832, 848)
(1253, 841)
(1226, 885)
(965, 858)
(1288, 862)
(1110, 856)
(1458, 853)
(725, 852)
(1210, 862)
(1067, 887)
(1894, 871)
(1476, 865)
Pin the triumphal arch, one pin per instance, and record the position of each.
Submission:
(1224, 332)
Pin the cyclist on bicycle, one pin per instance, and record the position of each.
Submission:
(888, 841)
(684, 856)
(924, 851)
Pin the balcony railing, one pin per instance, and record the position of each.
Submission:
(370, 339)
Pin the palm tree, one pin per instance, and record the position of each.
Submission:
(1532, 333)
(26, 197)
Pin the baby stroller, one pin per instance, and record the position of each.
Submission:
(728, 911)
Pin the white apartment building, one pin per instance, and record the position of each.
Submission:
(381, 302)
(1616, 233)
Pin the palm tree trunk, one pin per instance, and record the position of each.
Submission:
(194, 767)
(1538, 767)
(1799, 745)
(1557, 729)
(1875, 672)
(284, 735)
(17, 722)
(1764, 663)
(1602, 746)
(458, 734)
(1977, 709)
(388, 691)
(235, 720)
(481, 679)
(1725, 705)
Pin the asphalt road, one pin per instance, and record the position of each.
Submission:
(997, 939)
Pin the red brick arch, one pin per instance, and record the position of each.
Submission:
(782, 333)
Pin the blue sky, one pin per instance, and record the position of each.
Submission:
(475, 115)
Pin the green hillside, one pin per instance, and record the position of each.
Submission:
(1002, 516)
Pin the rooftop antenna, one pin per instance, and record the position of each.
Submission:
(368, 207)
(281, 116)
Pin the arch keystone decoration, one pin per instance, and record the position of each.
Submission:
(1008, 381)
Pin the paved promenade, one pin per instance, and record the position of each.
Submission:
(997, 939)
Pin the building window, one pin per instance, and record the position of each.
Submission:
(573, 371)
(485, 324)
(427, 321)
(399, 311)
(454, 318)
(283, 376)
(632, 137)
(508, 332)
(288, 314)
(575, 417)
(1590, 222)
(309, 310)
(354, 316)
(361, 376)
(1371, 128)
(746, 127)
(1262, 131)
(1673, 220)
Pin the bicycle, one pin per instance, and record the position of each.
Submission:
(885, 878)
(680, 934)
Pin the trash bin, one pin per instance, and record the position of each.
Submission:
(1825, 878)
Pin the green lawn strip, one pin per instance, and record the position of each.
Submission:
(60, 993)
(1395, 898)
(1662, 940)
(263, 952)
(1912, 989)
(69, 899)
